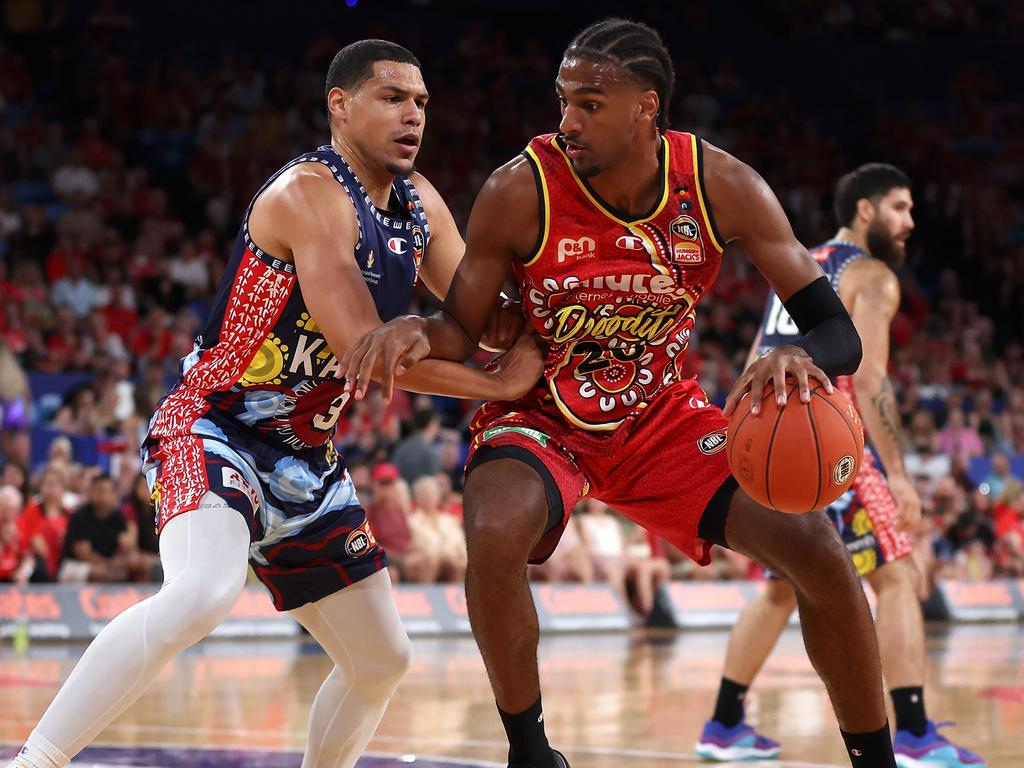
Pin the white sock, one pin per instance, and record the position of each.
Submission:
(205, 557)
(370, 655)
(39, 753)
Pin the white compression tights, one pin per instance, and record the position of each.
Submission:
(204, 555)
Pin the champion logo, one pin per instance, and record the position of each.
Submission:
(397, 245)
(856, 753)
(630, 243)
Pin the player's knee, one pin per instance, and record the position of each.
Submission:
(896, 576)
(814, 548)
(210, 603)
(498, 533)
(379, 673)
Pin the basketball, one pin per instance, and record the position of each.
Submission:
(800, 456)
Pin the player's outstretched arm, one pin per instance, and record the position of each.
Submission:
(502, 226)
(746, 211)
(306, 214)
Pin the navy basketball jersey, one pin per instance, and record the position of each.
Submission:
(261, 370)
(777, 327)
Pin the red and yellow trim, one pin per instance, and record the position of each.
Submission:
(545, 205)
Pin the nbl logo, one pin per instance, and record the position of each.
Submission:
(712, 444)
(685, 227)
(360, 541)
(844, 470)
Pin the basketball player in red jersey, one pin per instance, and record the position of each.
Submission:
(614, 229)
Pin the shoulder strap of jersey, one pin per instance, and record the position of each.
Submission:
(324, 155)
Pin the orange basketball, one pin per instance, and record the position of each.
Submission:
(800, 456)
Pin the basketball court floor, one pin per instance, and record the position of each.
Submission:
(624, 700)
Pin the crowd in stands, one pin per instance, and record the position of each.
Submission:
(123, 178)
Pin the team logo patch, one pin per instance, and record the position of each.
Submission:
(360, 541)
(712, 443)
(686, 245)
(844, 470)
(533, 434)
(685, 228)
(232, 478)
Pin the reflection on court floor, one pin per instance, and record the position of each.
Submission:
(189, 757)
(611, 700)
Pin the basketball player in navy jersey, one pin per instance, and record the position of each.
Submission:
(239, 454)
(879, 513)
(614, 229)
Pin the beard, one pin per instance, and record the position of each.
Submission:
(884, 247)
(586, 171)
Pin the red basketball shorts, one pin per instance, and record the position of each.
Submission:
(660, 467)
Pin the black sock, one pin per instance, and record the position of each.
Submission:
(729, 707)
(527, 742)
(909, 705)
(870, 750)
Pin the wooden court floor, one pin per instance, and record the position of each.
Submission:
(611, 700)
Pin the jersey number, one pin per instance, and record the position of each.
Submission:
(326, 421)
(779, 321)
(595, 359)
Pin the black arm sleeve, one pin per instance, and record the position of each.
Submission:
(829, 335)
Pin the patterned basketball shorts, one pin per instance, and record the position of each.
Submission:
(309, 536)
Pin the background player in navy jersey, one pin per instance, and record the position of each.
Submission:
(878, 515)
(239, 453)
(614, 229)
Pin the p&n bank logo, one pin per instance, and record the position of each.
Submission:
(580, 248)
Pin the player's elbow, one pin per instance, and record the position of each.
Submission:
(853, 350)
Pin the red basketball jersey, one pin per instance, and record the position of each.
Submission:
(615, 297)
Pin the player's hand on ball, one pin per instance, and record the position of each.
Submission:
(772, 369)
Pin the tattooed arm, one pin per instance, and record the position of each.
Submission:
(871, 291)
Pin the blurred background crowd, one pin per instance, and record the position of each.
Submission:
(130, 144)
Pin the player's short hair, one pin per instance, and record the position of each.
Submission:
(871, 181)
(354, 63)
(635, 47)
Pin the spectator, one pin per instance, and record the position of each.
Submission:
(435, 530)
(44, 524)
(958, 439)
(571, 561)
(388, 513)
(1000, 474)
(417, 455)
(140, 515)
(16, 562)
(924, 461)
(98, 545)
